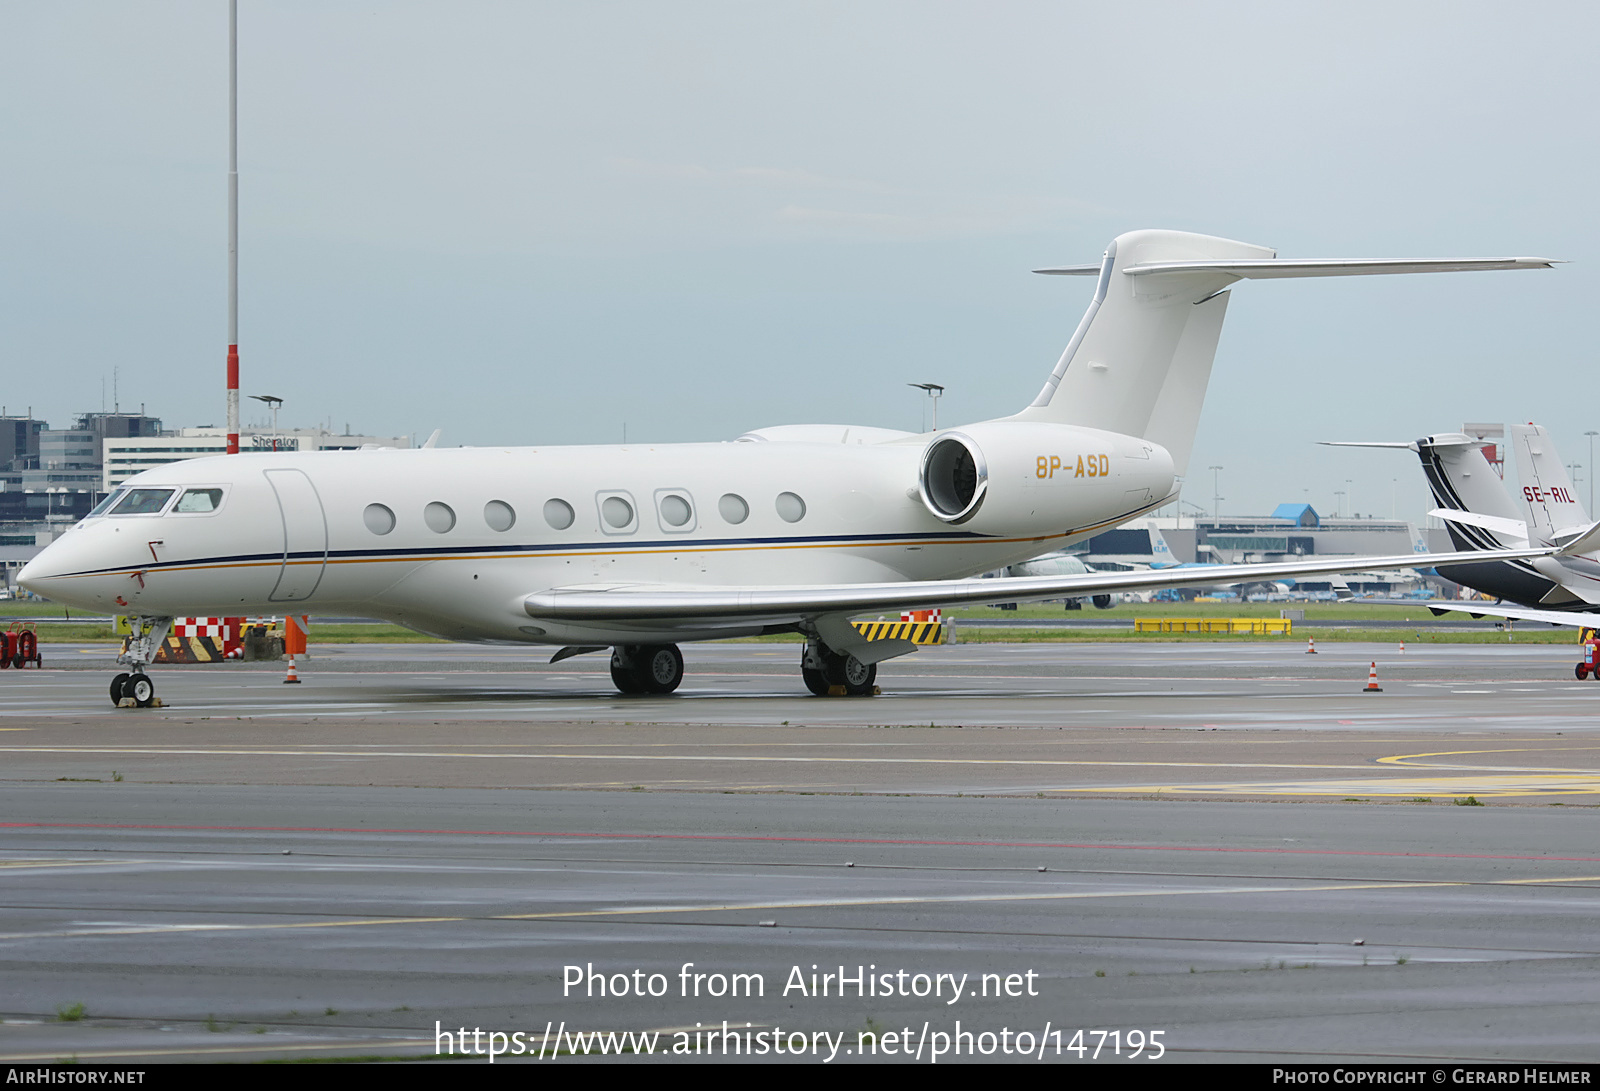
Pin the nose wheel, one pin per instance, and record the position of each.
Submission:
(646, 668)
(138, 653)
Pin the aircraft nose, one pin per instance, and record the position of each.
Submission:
(39, 574)
(51, 575)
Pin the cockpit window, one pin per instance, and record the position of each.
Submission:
(105, 505)
(198, 500)
(143, 502)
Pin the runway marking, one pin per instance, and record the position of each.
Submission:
(548, 756)
(365, 1045)
(1550, 784)
(580, 835)
(1411, 759)
(808, 903)
(1496, 781)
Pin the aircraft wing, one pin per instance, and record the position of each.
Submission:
(1574, 618)
(787, 605)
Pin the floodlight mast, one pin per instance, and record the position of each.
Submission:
(233, 227)
(935, 391)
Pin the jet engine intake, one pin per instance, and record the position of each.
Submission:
(954, 478)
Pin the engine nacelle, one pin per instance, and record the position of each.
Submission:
(1022, 478)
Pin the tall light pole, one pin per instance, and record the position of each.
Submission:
(274, 401)
(935, 391)
(1350, 496)
(1216, 491)
(1591, 436)
(233, 227)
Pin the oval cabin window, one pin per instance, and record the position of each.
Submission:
(379, 519)
(440, 517)
(558, 513)
(499, 515)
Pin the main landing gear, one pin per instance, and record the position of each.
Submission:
(139, 653)
(646, 668)
(830, 673)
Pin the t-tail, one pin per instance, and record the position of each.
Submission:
(1555, 514)
(1480, 515)
(1140, 359)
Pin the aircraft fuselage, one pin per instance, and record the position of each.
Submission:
(451, 541)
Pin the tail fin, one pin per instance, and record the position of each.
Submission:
(1463, 481)
(1141, 357)
(1160, 550)
(1546, 489)
(1473, 501)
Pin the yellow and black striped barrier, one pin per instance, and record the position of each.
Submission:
(918, 632)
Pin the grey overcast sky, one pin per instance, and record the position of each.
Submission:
(540, 223)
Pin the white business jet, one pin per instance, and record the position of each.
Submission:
(1482, 517)
(640, 547)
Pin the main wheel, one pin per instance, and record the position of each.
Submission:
(859, 677)
(660, 667)
(625, 674)
(815, 681)
(116, 686)
(846, 670)
(140, 688)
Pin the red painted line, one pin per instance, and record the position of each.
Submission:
(797, 840)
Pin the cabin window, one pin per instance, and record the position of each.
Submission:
(558, 513)
(143, 502)
(194, 501)
(675, 510)
(791, 509)
(499, 515)
(441, 518)
(617, 512)
(379, 519)
(733, 509)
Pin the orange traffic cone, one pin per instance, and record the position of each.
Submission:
(1311, 645)
(292, 679)
(1402, 647)
(1372, 680)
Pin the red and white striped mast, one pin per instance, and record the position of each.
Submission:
(233, 227)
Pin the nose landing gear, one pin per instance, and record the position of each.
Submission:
(134, 689)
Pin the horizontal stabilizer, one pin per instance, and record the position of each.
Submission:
(1513, 528)
(1585, 540)
(1278, 268)
(1071, 270)
(1443, 440)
